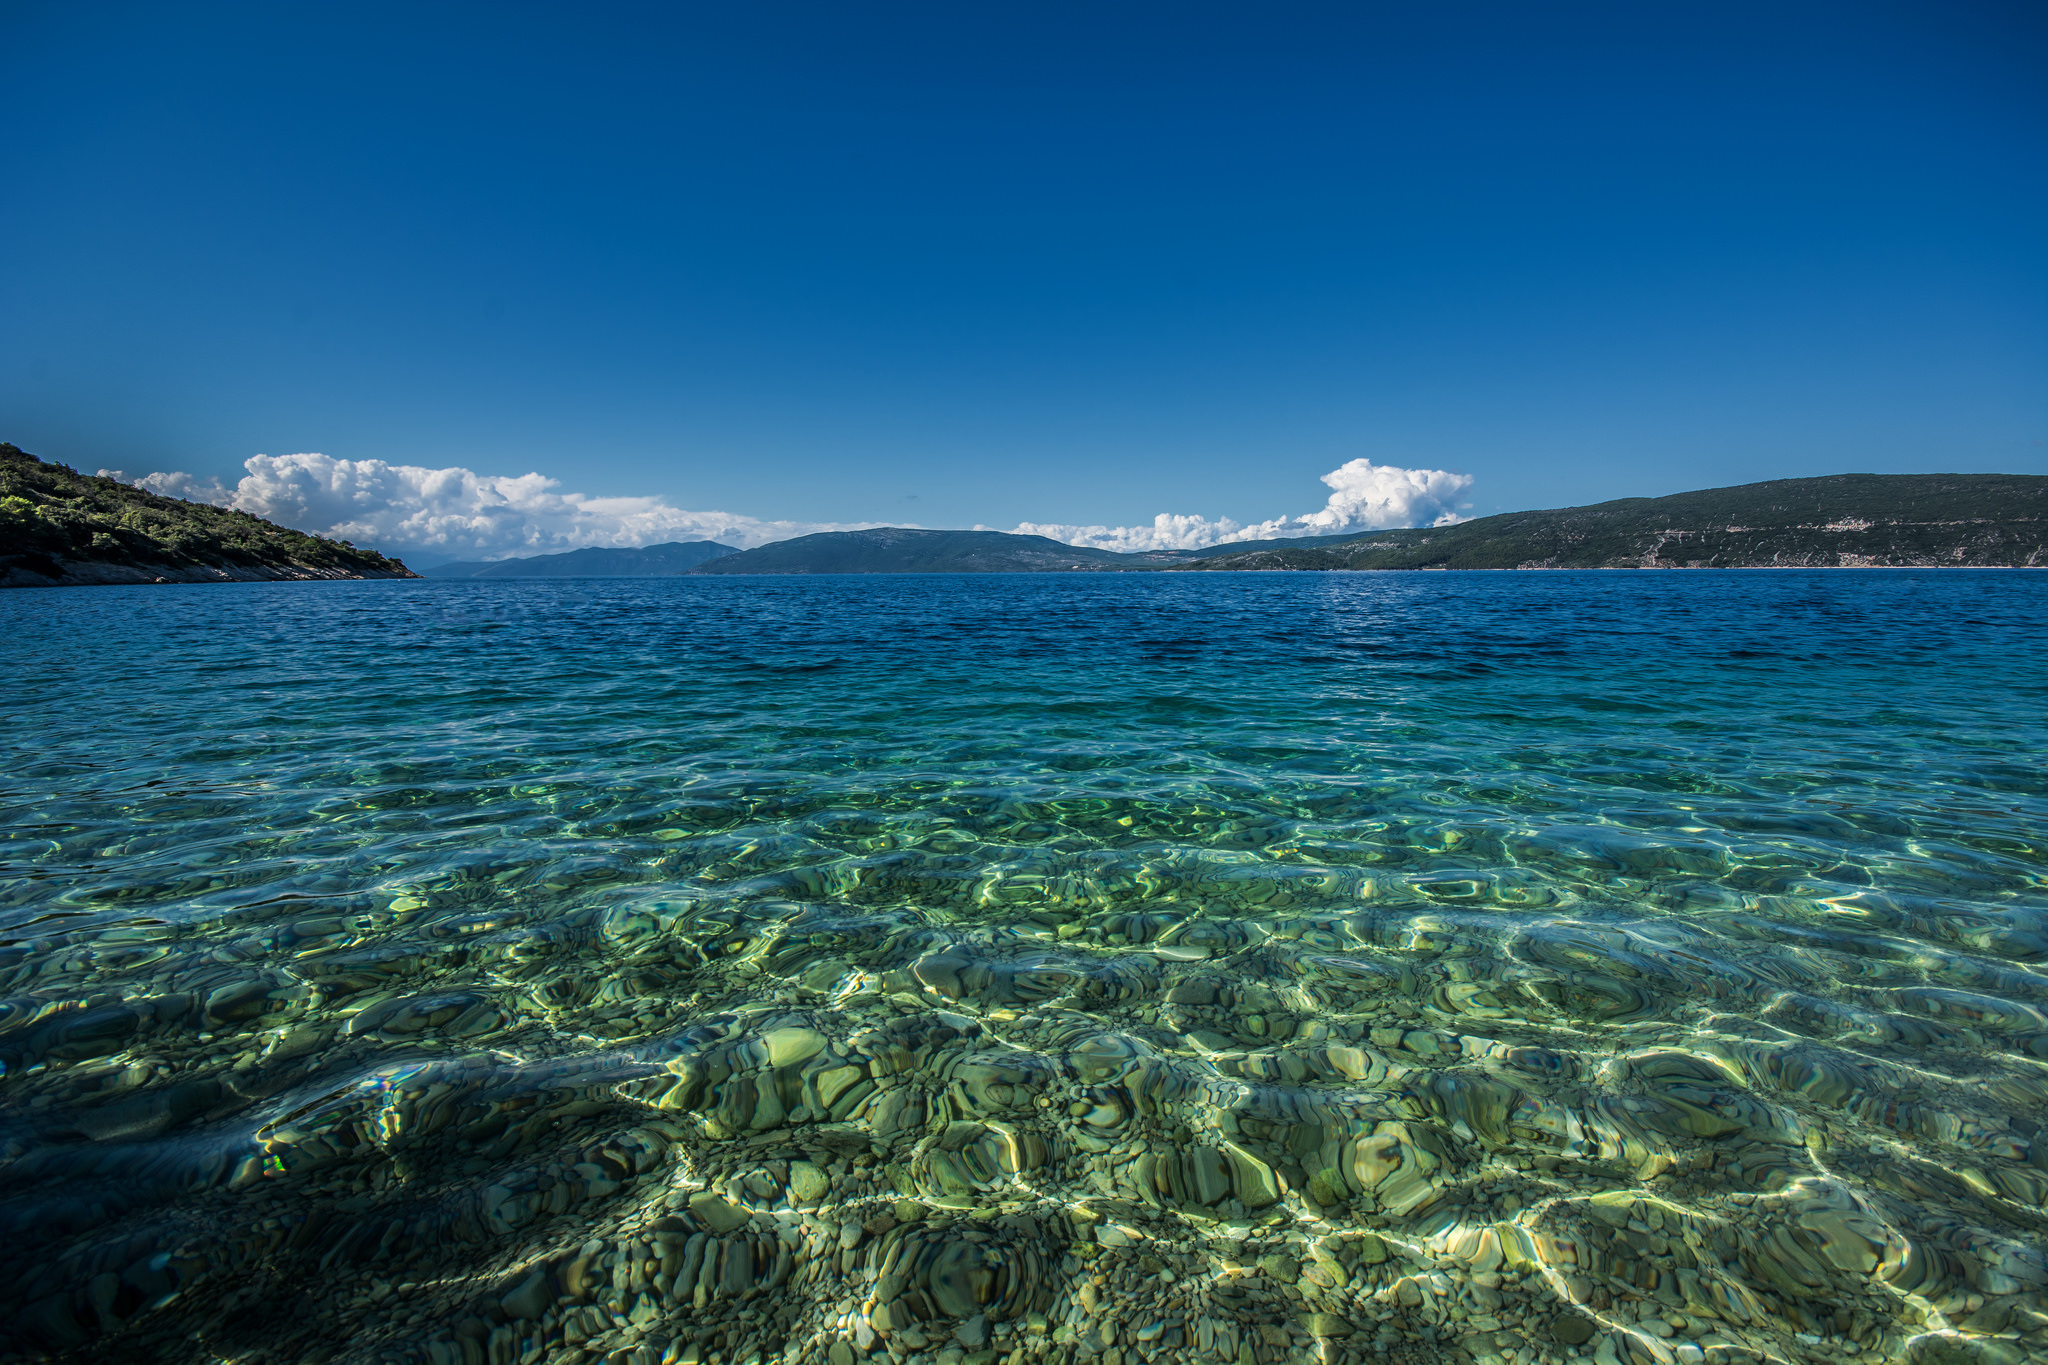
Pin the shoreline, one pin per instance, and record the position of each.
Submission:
(90, 574)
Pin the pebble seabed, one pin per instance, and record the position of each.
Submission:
(1065, 1133)
(1434, 1053)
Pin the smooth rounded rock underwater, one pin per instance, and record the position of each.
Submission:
(1487, 969)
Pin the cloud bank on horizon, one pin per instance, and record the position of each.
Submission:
(1363, 497)
(460, 514)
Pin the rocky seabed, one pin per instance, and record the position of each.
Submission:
(1403, 1128)
(1536, 970)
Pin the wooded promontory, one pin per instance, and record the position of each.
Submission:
(61, 528)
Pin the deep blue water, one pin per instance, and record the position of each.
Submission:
(1658, 953)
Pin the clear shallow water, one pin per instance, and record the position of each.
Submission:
(1457, 967)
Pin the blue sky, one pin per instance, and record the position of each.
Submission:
(1001, 264)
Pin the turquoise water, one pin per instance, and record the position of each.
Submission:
(1450, 967)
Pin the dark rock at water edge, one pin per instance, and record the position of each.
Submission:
(60, 528)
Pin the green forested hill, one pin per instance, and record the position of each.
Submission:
(59, 527)
(1842, 520)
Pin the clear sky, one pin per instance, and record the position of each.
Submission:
(1077, 264)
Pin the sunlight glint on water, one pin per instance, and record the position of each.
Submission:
(1627, 967)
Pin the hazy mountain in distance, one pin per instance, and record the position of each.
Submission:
(896, 549)
(1841, 520)
(649, 561)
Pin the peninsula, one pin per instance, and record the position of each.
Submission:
(901, 549)
(1839, 521)
(60, 528)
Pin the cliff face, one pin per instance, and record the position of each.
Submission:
(1841, 521)
(60, 528)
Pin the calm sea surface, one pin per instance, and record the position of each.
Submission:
(1450, 967)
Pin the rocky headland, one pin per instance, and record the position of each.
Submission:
(61, 528)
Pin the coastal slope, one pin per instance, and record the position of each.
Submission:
(60, 528)
(1839, 521)
(647, 561)
(897, 549)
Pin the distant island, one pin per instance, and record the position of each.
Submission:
(649, 561)
(902, 549)
(1840, 521)
(898, 549)
(60, 528)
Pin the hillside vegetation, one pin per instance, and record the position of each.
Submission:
(1840, 521)
(60, 527)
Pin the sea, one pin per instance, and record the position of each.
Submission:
(1442, 968)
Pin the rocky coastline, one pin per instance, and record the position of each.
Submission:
(89, 573)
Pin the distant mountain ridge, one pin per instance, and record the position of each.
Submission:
(61, 528)
(647, 561)
(1837, 521)
(900, 549)
(58, 527)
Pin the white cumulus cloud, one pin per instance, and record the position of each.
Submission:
(458, 513)
(1363, 497)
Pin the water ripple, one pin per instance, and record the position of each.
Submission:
(1491, 968)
